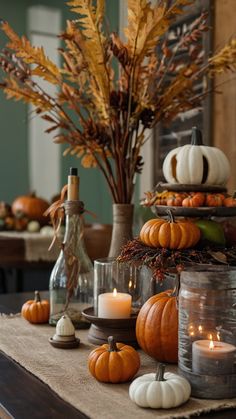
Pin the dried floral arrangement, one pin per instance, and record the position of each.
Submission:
(110, 117)
(165, 261)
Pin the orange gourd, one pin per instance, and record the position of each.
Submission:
(230, 201)
(176, 199)
(214, 200)
(37, 310)
(157, 327)
(196, 199)
(170, 234)
(32, 207)
(113, 362)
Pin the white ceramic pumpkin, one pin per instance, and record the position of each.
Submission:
(195, 164)
(160, 390)
(65, 326)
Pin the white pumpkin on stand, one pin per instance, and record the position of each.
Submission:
(196, 164)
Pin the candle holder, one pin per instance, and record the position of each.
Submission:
(123, 330)
(109, 274)
(207, 330)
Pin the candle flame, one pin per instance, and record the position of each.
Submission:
(218, 336)
(211, 344)
(114, 292)
(130, 284)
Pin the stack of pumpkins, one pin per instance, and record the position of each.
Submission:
(189, 166)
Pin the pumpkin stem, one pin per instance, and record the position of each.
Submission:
(37, 298)
(160, 373)
(196, 138)
(170, 215)
(112, 344)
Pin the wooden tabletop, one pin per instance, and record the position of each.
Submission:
(23, 396)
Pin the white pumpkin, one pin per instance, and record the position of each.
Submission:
(195, 164)
(65, 326)
(33, 226)
(160, 390)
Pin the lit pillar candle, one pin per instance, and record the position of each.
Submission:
(212, 358)
(114, 305)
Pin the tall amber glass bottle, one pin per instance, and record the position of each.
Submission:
(71, 281)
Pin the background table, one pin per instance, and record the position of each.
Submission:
(19, 257)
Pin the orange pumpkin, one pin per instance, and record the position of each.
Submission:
(32, 207)
(214, 200)
(37, 310)
(229, 202)
(171, 234)
(157, 327)
(176, 199)
(113, 362)
(196, 199)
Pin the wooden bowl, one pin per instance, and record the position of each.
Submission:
(123, 330)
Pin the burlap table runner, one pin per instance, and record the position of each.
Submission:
(66, 372)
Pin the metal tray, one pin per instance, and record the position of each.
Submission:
(194, 212)
(180, 187)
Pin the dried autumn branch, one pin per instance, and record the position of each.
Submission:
(103, 121)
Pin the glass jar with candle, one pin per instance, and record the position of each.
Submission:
(117, 288)
(207, 330)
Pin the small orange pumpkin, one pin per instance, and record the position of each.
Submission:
(195, 199)
(214, 200)
(171, 234)
(157, 327)
(113, 362)
(32, 207)
(37, 310)
(176, 200)
(230, 201)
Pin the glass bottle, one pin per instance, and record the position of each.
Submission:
(71, 280)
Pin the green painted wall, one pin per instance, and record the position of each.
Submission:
(13, 117)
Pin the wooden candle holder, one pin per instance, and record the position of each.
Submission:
(123, 330)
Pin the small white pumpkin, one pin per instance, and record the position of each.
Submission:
(195, 164)
(160, 390)
(33, 226)
(65, 326)
(47, 231)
